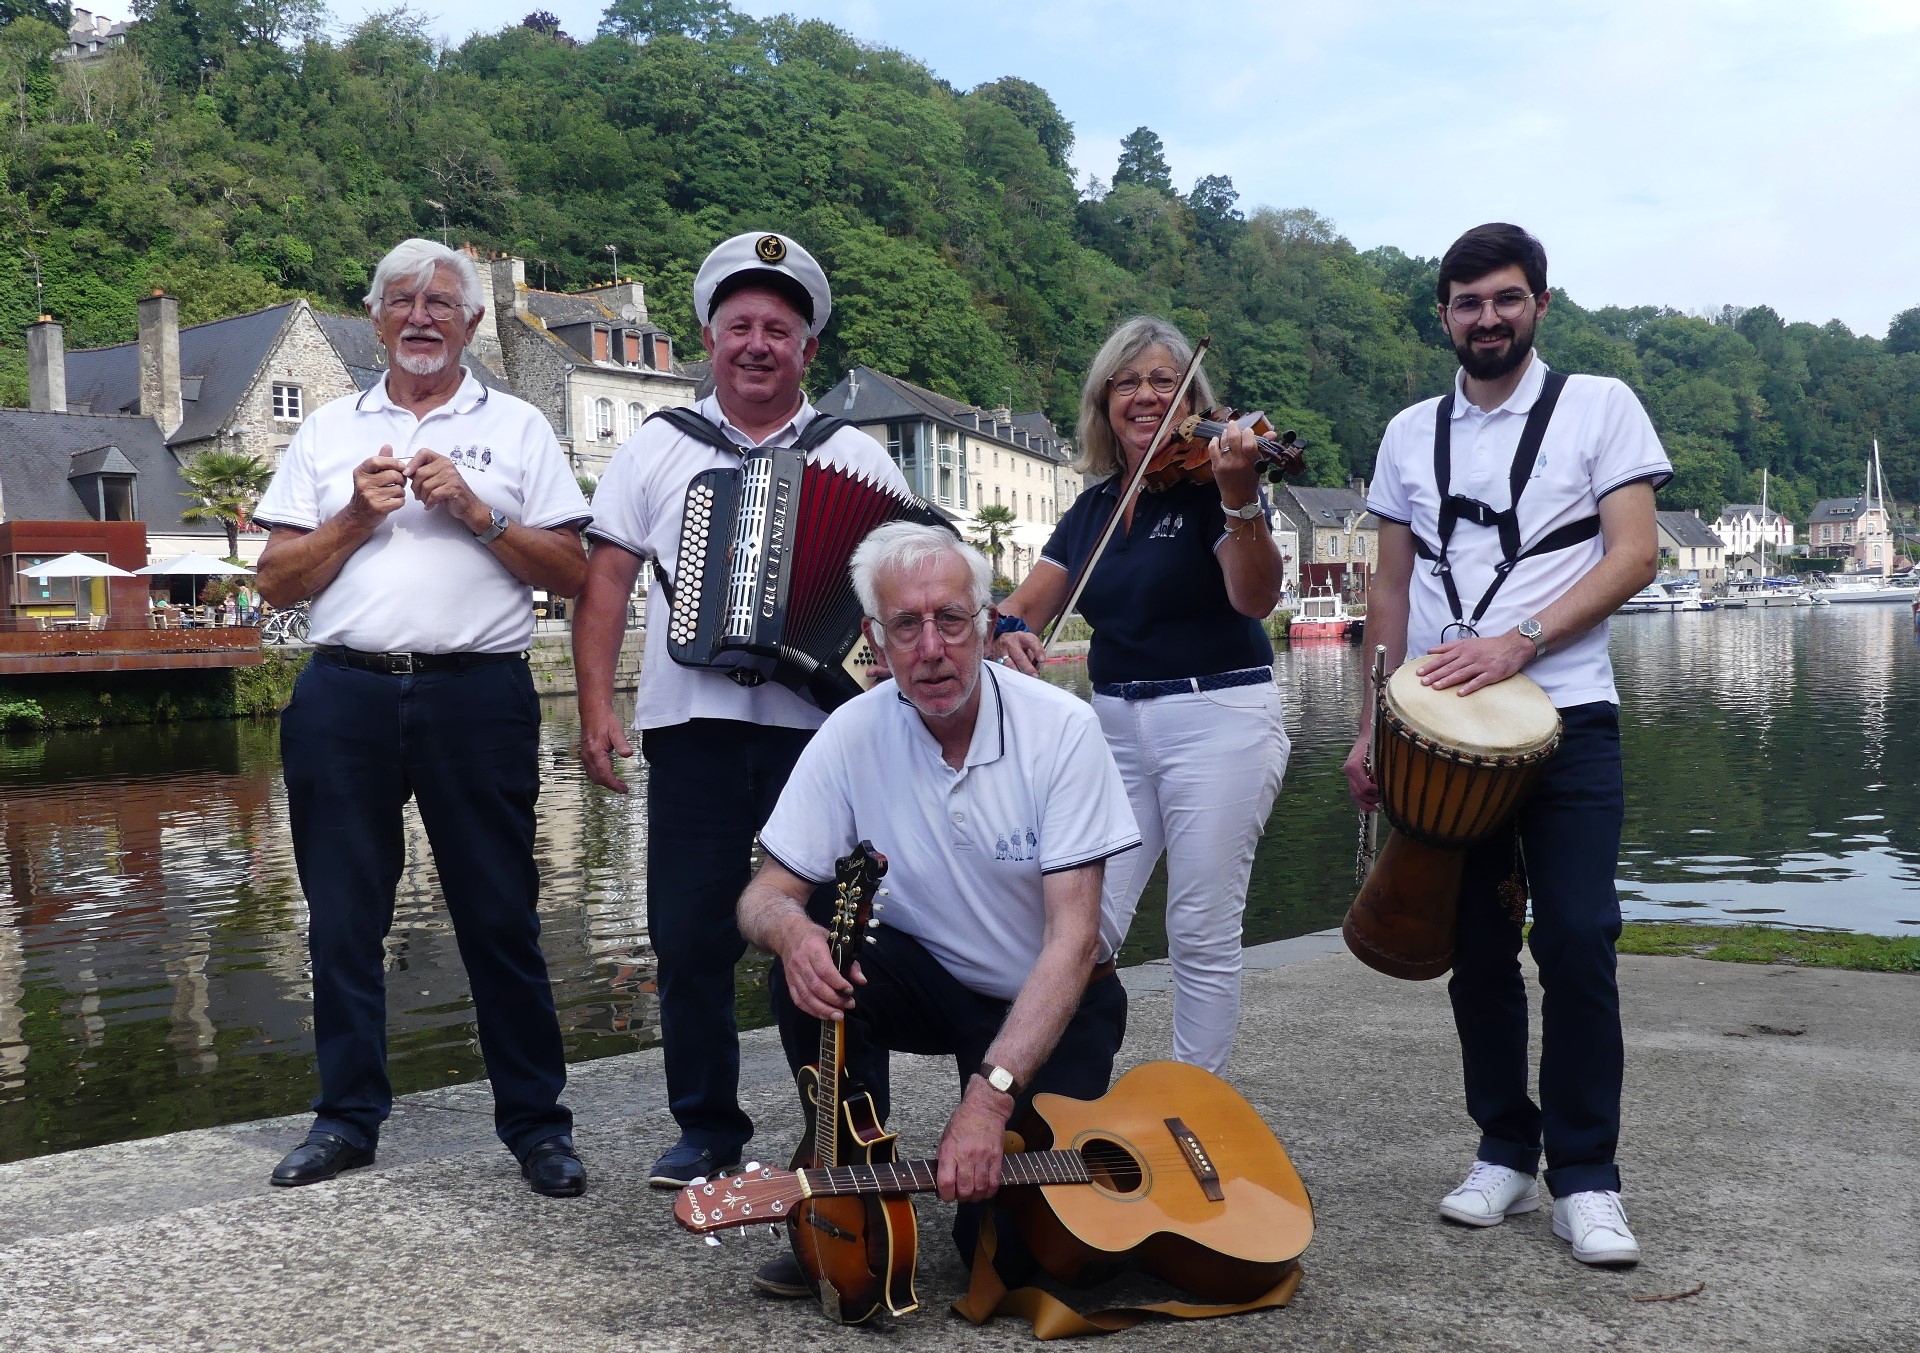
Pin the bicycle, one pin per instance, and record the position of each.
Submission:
(288, 626)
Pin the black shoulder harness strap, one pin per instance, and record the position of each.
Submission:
(691, 423)
(1454, 508)
(700, 429)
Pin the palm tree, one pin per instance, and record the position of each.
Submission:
(225, 486)
(992, 528)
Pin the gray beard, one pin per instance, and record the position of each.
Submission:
(421, 366)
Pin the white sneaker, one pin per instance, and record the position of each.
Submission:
(1491, 1194)
(1597, 1225)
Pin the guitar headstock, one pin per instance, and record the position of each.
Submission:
(856, 878)
(763, 1195)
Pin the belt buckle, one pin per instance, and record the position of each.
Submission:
(401, 664)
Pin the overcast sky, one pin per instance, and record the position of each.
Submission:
(1692, 153)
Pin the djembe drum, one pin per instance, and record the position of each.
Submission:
(1452, 769)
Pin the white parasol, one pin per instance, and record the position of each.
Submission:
(74, 566)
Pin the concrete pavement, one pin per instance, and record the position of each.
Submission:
(1770, 1152)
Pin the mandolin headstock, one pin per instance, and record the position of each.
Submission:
(857, 878)
(762, 1195)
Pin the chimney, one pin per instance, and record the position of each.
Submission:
(47, 366)
(160, 361)
(1003, 414)
(509, 279)
(626, 298)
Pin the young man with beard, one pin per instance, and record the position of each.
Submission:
(997, 803)
(1517, 513)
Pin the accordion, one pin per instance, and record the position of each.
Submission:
(761, 588)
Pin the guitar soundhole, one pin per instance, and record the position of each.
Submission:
(1111, 1165)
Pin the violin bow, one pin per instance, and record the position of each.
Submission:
(1167, 422)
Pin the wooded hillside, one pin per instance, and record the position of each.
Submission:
(234, 157)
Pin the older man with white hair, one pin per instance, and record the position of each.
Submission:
(996, 802)
(417, 517)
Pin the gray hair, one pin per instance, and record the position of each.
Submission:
(415, 261)
(907, 546)
(1099, 448)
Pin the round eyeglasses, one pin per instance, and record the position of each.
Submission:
(949, 622)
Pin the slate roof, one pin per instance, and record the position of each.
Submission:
(868, 396)
(1838, 509)
(1330, 508)
(1688, 531)
(41, 452)
(352, 337)
(218, 361)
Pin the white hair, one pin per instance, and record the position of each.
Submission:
(906, 547)
(414, 262)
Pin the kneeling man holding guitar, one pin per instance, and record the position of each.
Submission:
(998, 803)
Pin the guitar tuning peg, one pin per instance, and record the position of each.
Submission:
(773, 1231)
(696, 1182)
(713, 1242)
(750, 1167)
(871, 939)
(884, 892)
(873, 925)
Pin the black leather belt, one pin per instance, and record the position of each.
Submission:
(1153, 690)
(405, 664)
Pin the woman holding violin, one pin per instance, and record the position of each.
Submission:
(1181, 666)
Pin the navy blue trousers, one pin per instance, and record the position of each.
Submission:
(711, 786)
(912, 1004)
(1570, 833)
(464, 745)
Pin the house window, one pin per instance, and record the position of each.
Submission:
(1333, 547)
(287, 406)
(603, 418)
(116, 498)
(630, 347)
(662, 353)
(636, 415)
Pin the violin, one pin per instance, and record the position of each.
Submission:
(1185, 456)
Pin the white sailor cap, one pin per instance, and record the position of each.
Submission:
(779, 260)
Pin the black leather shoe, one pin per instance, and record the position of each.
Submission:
(320, 1157)
(554, 1169)
(780, 1276)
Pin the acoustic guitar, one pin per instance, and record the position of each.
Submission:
(1170, 1172)
(857, 1251)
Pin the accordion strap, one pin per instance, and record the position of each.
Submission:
(702, 429)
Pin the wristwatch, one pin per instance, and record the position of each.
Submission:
(1530, 630)
(1000, 1079)
(496, 527)
(1246, 511)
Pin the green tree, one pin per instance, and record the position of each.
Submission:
(1143, 162)
(992, 529)
(1035, 110)
(1903, 334)
(225, 486)
(639, 20)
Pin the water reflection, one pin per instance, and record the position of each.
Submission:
(153, 971)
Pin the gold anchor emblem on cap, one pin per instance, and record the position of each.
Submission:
(771, 248)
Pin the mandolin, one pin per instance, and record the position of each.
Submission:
(857, 1250)
(1170, 1172)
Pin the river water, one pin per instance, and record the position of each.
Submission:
(153, 972)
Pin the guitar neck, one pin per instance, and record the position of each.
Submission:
(919, 1176)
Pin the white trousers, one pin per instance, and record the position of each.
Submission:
(1202, 771)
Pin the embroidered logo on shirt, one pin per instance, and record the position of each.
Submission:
(474, 457)
(1167, 527)
(1016, 845)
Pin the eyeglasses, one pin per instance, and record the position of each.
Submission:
(950, 622)
(436, 306)
(1507, 305)
(1165, 380)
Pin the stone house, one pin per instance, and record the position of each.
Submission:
(961, 458)
(1339, 540)
(1852, 530)
(1692, 547)
(589, 360)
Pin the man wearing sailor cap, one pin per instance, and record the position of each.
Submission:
(718, 753)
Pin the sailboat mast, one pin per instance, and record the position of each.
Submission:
(1765, 522)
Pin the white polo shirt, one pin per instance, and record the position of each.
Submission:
(640, 505)
(1599, 439)
(422, 583)
(966, 849)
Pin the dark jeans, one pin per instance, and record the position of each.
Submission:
(1570, 832)
(912, 1004)
(464, 745)
(712, 784)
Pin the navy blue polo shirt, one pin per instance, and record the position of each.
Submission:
(1157, 600)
